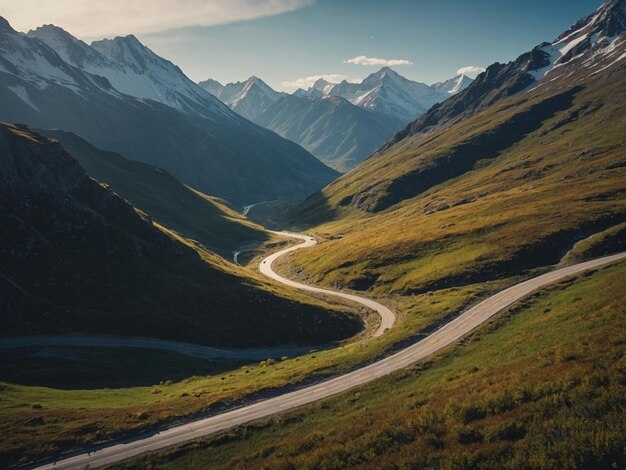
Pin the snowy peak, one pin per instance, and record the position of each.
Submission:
(249, 98)
(384, 91)
(609, 20)
(320, 84)
(455, 84)
(72, 50)
(259, 86)
(128, 51)
(37, 64)
(131, 68)
(597, 41)
(212, 86)
(386, 73)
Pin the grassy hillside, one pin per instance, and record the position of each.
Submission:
(509, 189)
(542, 386)
(76, 258)
(84, 409)
(156, 192)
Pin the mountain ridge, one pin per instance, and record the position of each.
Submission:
(388, 92)
(79, 258)
(369, 114)
(331, 128)
(209, 147)
(589, 35)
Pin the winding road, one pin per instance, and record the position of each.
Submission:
(446, 335)
(387, 317)
(247, 209)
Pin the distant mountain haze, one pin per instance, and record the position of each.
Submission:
(340, 123)
(118, 95)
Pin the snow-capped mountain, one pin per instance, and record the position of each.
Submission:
(131, 68)
(212, 86)
(331, 128)
(598, 40)
(170, 122)
(454, 85)
(591, 46)
(388, 92)
(39, 67)
(249, 98)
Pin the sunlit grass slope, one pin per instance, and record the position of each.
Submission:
(511, 188)
(542, 386)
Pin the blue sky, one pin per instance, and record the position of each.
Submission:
(437, 36)
(282, 41)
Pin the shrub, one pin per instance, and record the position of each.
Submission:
(467, 435)
(508, 431)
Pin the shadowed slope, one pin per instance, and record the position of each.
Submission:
(76, 258)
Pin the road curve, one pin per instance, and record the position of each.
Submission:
(387, 317)
(247, 209)
(433, 343)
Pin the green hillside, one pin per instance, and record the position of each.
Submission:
(510, 188)
(542, 386)
(76, 258)
(156, 192)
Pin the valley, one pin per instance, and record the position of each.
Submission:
(326, 267)
(448, 334)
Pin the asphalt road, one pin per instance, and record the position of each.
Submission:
(446, 335)
(387, 317)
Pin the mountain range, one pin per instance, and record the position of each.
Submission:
(340, 123)
(388, 92)
(505, 176)
(250, 98)
(593, 44)
(515, 175)
(120, 96)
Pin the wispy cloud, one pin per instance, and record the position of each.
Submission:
(470, 70)
(364, 60)
(307, 82)
(96, 19)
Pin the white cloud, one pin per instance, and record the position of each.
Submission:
(89, 19)
(470, 70)
(308, 82)
(364, 60)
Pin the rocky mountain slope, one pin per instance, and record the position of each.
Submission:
(594, 44)
(454, 85)
(169, 202)
(76, 258)
(250, 98)
(337, 132)
(503, 177)
(158, 116)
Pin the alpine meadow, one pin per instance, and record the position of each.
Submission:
(400, 243)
